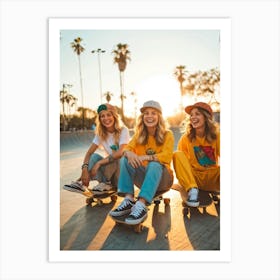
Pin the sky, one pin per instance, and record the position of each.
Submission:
(150, 73)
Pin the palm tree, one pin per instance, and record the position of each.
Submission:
(121, 55)
(180, 75)
(71, 100)
(78, 49)
(108, 95)
(204, 84)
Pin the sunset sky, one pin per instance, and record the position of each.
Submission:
(154, 57)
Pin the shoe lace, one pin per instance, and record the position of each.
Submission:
(136, 209)
(124, 203)
(77, 184)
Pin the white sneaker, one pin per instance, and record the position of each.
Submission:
(192, 200)
(102, 188)
(78, 188)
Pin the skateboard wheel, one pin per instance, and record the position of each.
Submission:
(99, 202)
(215, 198)
(186, 211)
(138, 228)
(157, 202)
(89, 201)
(184, 204)
(166, 201)
(114, 198)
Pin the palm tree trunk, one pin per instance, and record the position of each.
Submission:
(181, 90)
(122, 96)
(82, 94)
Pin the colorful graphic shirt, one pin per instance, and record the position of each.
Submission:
(201, 153)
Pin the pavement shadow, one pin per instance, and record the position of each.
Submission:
(123, 237)
(79, 231)
(203, 229)
(202, 226)
(161, 222)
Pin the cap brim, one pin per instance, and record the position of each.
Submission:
(188, 109)
(143, 108)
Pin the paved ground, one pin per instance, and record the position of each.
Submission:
(86, 227)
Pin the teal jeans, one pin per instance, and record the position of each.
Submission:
(150, 179)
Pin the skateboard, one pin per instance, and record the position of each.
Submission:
(98, 198)
(205, 199)
(121, 220)
(158, 197)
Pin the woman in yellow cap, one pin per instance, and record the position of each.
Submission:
(113, 137)
(196, 161)
(146, 163)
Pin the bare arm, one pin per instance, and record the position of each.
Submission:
(85, 176)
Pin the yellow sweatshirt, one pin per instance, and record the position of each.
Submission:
(201, 154)
(163, 152)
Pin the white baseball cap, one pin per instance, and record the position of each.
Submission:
(151, 104)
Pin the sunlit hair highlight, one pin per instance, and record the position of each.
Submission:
(141, 131)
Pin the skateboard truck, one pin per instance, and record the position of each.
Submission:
(98, 198)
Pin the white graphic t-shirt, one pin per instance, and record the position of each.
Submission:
(110, 141)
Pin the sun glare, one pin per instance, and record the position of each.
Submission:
(162, 88)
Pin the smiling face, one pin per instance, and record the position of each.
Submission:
(197, 119)
(107, 119)
(150, 117)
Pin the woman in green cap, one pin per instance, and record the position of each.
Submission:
(113, 137)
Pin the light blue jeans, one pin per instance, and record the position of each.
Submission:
(107, 172)
(150, 179)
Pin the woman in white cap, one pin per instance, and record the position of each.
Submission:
(146, 163)
(196, 162)
(113, 137)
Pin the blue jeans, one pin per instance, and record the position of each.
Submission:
(107, 172)
(150, 179)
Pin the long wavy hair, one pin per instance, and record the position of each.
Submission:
(141, 131)
(211, 127)
(102, 131)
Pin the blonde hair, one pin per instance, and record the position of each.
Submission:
(211, 127)
(102, 132)
(141, 131)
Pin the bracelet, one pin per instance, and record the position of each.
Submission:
(85, 165)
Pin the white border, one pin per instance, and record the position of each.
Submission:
(55, 25)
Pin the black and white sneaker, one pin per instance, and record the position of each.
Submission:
(138, 214)
(102, 188)
(123, 209)
(192, 200)
(78, 188)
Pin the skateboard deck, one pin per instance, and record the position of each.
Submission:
(121, 220)
(98, 198)
(205, 199)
